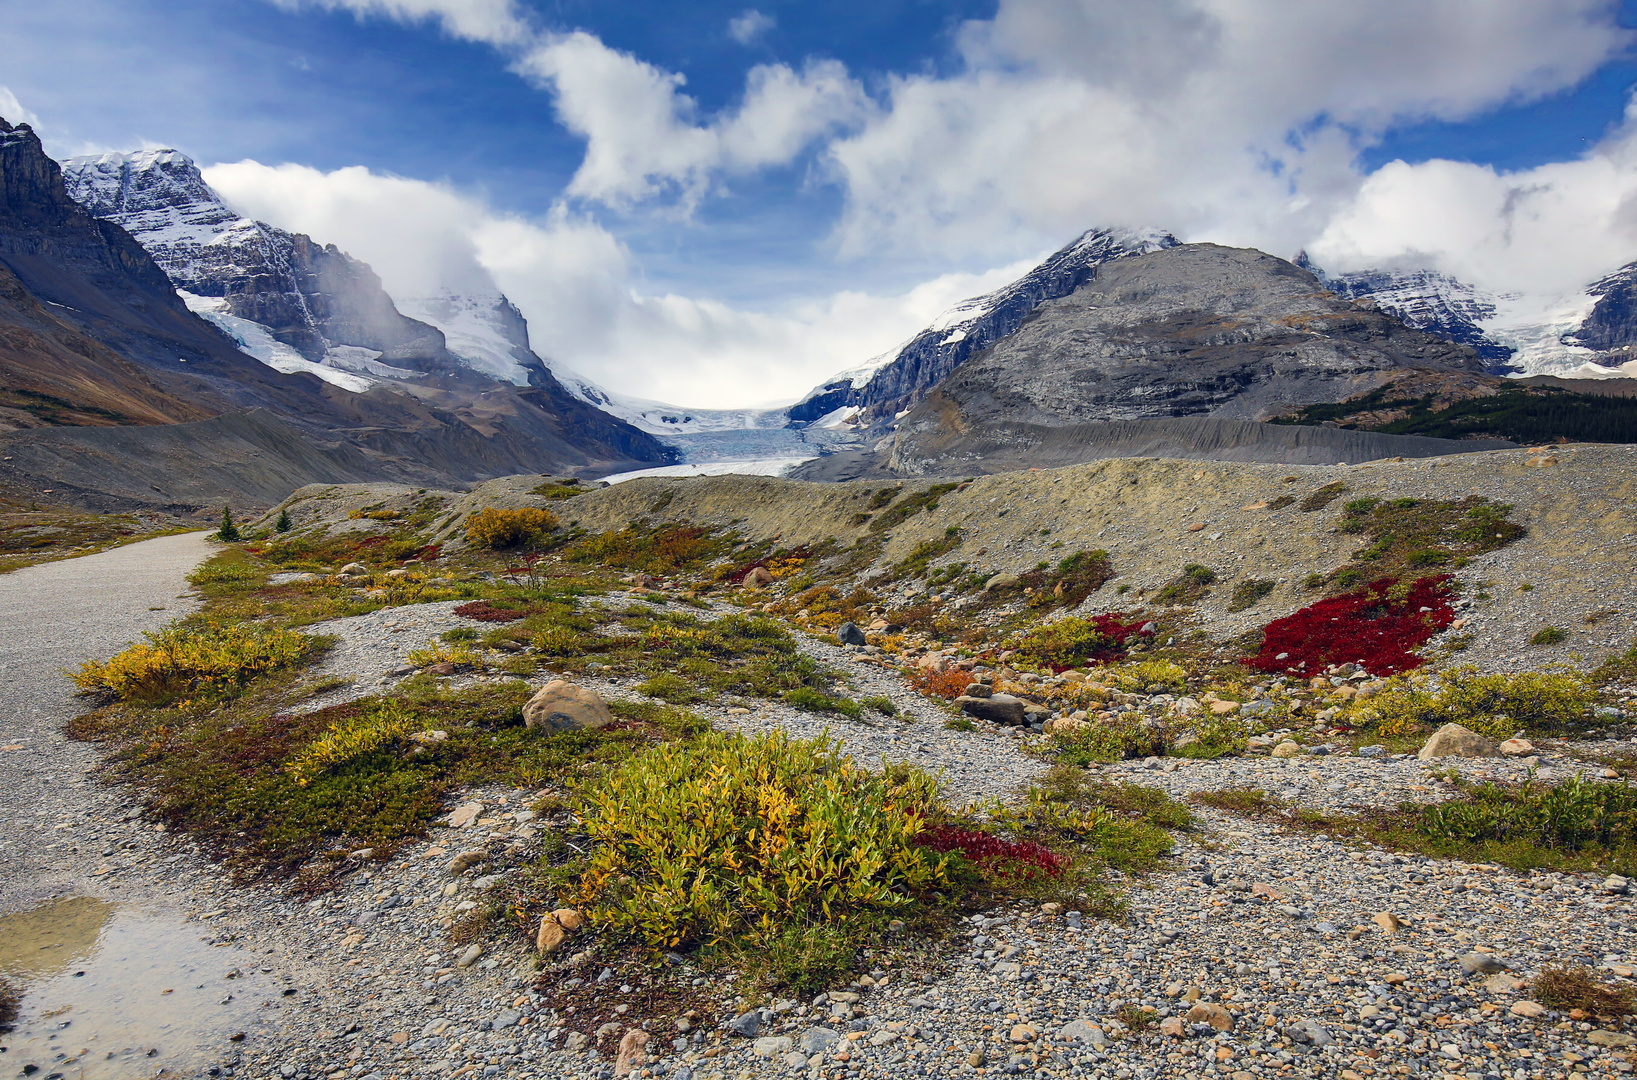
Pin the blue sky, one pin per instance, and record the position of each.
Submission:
(674, 227)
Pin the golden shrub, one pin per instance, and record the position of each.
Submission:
(499, 529)
(203, 661)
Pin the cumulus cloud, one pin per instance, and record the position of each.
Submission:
(748, 27)
(643, 134)
(576, 284)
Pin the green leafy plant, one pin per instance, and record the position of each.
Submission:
(1191, 585)
(726, 837)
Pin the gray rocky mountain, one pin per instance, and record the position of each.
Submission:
(1195, 330)
(1612, 324)
(886, 387)
(311, 297)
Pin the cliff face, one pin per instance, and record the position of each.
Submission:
(1196, 330)
(312, 297)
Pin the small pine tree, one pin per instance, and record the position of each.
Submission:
(229, 532)
(283, 524)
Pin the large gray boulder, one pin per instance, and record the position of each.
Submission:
(1453, 740)
(997, 709)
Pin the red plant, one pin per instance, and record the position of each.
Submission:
(369, 542)
(945, 684)
(738, 575)
(429, 552)
(483, 611)
(1004, 858)
(1366, 627)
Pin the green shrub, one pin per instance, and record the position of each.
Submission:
(207, 661)
(1577, 817)
(1549, 635)
(667, 687)
(1495, 705)
(228, 533)
(1248, 593)
(1192, 584)
(349, 739)
(1216, 736)
(1120, 737)
(727, 836)
(880, 703)
(1141, 674)
(960, 723)
(805, 697)
(1066, 641)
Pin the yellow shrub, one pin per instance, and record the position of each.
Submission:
(1493, 705)
(728, 835)
(208, 661)
(443, 653)
(349, 739)
(495, 528)
(1145, 673)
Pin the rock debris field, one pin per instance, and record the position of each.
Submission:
(1261, 952)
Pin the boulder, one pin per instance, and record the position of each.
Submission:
(562, 706)
(354, 569)
(1453, 740)
(1287, 749)
(999, 709)
(979, 689)
(1063, 725)
(1002, 581)
(849, 634)
(632, 1053)
(932, 662)
(1082, 1030)
(756, 577)
(1517, 748)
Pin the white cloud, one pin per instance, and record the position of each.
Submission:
(575, 283)
(1236, 120)
(748, 27)
(495, 22)
(643, 135)
(12, 111)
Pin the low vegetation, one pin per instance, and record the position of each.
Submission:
(1497, 705)
(208, 662)
(1379, 626)
(1530, 416)
(500, 529)
(1579, 987)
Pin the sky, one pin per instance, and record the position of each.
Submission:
(717, 204)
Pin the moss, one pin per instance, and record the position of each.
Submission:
(1248, 593)
(1549, 635)
(1192, 585)
(925, 501)
(1323, 497)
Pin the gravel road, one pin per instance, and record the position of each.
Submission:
(53, 617)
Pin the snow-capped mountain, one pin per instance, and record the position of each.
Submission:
(1586, 334)
(888, 385)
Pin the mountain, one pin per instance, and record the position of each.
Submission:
(888, 385)
(1193, 330)
(1425, 300)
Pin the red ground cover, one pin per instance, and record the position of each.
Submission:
(1007, 858)
(483, 611)
(1363, 627)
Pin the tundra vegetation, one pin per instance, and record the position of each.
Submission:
(782, 856)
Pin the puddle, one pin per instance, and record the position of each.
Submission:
(113, 991)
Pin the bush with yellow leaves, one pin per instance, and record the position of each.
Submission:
(726, 837)
(208, 661)
(500, 529)
(349, 739)
(1496, 705)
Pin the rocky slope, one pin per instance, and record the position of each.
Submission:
(1191, 331)
(887, 386)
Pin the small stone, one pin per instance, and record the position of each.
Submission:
(999, 709)
(1388, 922)
(466, 859)
(1502, 983)
(463, 815)
(771, 1046)
(1174, 1026)
(1396, 978)
(977, 1058)
(1224, 708)
(470, 956)
(633, 1052)
(1023, 1033)
(1082, 1030)
(1002, 581)
(746, 1024)
(1529, 1010)
(1287, 749)
(1477, 963)
(551, 936)
(816, 1040)
(1453, 740)
(849, 634)
(1603, 1037)
(1204, 1012)
(756, 577)
(1517, 747)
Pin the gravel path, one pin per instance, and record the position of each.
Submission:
(54, 617)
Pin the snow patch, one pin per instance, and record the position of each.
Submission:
(749, 467)
(474, 331)
(254, 340)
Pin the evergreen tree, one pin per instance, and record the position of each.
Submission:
(283, 523)
(229, 532)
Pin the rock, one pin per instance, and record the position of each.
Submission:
(1616, 885)
(1306, 1031)
(1023, 1033)
(1082, 1030)
(1174, 1026)
(633, 1052)
(1204, 1012)
(1388, 922)
(1002, 581)
(1287, 749)
(849, 634)
(977, 1058)
(979, 689)
(1453, 740)
(1602, 1037)
(816, 1040)
(470, 956)
(463, 815)
(999, 709)
(756, 577)
(354, 569)
(441, 669)
(771, 1046)
(1372, 751)
(551, 937)
(1224, 708)
(746, 1024)
(504, 1019)
(562, 706)
(1517, 748)
(1529, 1010)
(1502, 983)
(1477, 963)
(429, 738)
(466, 859)
(932, 662)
